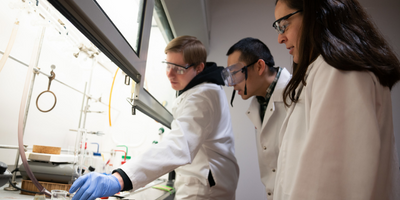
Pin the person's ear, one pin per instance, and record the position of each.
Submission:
(200, 68)
(261, 67)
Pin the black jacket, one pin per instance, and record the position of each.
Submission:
(210, 74)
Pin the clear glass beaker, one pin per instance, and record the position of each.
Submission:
(59, 195)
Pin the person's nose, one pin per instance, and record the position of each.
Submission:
(170, 72)
(282, 38)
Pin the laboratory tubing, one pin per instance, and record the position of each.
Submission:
(23, 106)
(124, 157)
(9, 45)
(126, 151)
(109, 101)
(97, 160)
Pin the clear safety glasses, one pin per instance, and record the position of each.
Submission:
(281, 24)
(179, 69)
(235, 73)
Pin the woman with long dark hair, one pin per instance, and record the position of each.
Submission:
(337, 140)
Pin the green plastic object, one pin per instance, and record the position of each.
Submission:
(127, 157)
(160, 131)
(167, 188)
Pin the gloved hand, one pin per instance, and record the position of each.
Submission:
(95, 185)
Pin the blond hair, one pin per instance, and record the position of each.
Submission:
(192, 49)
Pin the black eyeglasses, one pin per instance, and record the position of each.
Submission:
(281, 24)
(179, 69)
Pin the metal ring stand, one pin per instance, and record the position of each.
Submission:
(55, 101)
(53, 75)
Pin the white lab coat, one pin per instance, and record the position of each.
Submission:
(267, 132)
(337, 142)
(200, 139)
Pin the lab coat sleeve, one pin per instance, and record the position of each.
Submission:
(189, 129)
(341, 155)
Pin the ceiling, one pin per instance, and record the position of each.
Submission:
(189, 17)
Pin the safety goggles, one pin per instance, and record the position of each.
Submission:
(281, 24)
(179, 69)
(235, 73)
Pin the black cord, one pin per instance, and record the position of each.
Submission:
(16, 187)
(15, 170)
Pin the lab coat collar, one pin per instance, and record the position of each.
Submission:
(281, 84)
(254, 109)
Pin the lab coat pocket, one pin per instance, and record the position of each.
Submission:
(189, 187)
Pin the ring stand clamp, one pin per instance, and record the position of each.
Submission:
(130, 101)
(51, 78)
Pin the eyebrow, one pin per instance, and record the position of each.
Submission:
(285, 17)
(288, 15)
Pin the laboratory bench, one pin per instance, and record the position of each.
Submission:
(141, 194)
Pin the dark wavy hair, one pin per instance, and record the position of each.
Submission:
(345, 36)
(253, 49)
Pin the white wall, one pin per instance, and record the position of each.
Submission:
(232, 20)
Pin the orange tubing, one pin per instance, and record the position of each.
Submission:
(109, 102)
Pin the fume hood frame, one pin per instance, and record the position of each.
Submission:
(89, 18)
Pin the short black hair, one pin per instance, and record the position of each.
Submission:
(253, 49)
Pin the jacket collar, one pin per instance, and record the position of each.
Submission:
(281, 84)
(253, 111)
(211, 74)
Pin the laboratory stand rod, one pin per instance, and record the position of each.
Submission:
(83, 103)
(62, 83)
(94, 61)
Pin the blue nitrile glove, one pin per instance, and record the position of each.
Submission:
(95, 185)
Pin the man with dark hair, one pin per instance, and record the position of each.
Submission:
(252, 72)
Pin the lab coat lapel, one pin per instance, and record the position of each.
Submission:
(268, 113)
(254, 113)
